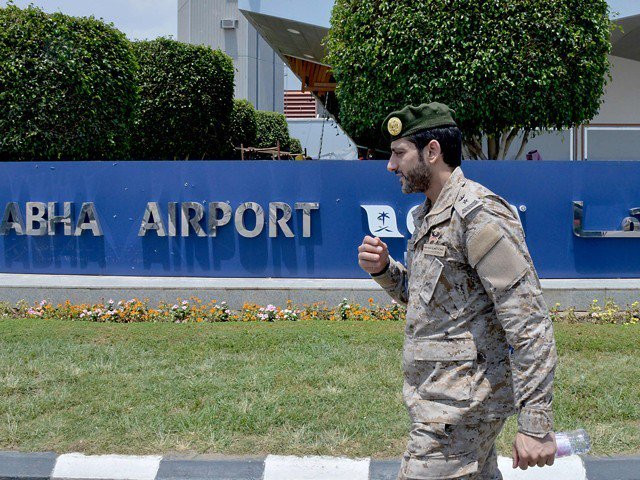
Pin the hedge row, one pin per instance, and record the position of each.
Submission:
(76, 88)
(186, 100)
(67, 87)
(257, 128)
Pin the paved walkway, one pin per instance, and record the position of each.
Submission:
(46, 466)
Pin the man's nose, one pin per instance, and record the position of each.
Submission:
(391, 166)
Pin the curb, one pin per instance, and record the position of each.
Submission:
(97, 288)
(76, 466)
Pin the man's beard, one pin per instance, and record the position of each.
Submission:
(418, 179)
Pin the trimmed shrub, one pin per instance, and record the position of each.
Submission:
(67, 87)
(186, 99)
(504, 67)
(244, 126)
(272, 128)
(295, 146)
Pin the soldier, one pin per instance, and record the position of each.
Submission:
(479, 343)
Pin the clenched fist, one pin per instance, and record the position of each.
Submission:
(373, 255)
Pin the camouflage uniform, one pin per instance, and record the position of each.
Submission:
(479, 343)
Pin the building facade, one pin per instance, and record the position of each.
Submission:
(219, 24)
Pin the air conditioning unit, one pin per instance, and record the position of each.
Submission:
(229, 24)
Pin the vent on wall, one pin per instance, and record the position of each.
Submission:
(228, 24)
(299, 104)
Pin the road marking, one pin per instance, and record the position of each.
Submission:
(112, 467)
(315, 468)
(567, 468)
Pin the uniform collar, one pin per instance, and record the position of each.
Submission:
(448, 194)
(421, 212)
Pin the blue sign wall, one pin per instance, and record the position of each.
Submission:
(120, 192)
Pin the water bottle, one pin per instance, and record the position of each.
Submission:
(576, 442)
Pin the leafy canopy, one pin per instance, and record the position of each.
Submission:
(67, 88)
(186, 101)
(503, 66)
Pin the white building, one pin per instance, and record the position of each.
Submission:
(219, 24)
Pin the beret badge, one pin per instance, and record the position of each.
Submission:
(394, 126)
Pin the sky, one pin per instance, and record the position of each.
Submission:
(148, 19)
(138, 19)
(624, 7)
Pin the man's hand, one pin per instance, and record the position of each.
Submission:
(373, 255)
(531, 451)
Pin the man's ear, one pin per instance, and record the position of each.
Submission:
(433, 150)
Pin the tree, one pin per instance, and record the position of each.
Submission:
(507, 68)
(186, 101)
(244, 126)
(272, 129)
(67, 88)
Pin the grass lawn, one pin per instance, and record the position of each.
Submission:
(331, 388)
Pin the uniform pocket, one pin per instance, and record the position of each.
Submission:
(445, 350)
(440, 468)
(446, 368)
(432, 276)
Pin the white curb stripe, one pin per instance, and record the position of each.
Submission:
(567, 468)
(315, 468)
(112, 467)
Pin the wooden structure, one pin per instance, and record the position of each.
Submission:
(316, 78)
(274, 152)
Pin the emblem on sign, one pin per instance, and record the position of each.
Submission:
(382, 221)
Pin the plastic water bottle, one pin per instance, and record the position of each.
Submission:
(576, 442)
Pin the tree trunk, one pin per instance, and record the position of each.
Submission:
(498, 146)
(492, 146)
(523, 145)
(474, 147)
(466, 153)
(507, 139)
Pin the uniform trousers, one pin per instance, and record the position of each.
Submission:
(438, 451)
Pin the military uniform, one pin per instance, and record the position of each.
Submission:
(479, 342)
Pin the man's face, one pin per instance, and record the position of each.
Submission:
(407, 163)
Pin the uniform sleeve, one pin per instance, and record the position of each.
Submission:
(496, 249)
(394, 280)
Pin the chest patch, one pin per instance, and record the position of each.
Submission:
(433, 249)
(435, 235)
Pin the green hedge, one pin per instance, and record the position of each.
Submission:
(67, 87)
(527, 65)
(272, 128)
(295, 146)
(244, 126)
(186, 100)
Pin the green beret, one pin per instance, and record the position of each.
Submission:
(410, 120)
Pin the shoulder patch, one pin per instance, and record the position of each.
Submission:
(483, 241)
(466, 203)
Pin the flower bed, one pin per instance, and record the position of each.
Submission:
(609, 313)
(195, 310)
